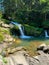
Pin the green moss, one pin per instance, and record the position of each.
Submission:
(6, 31)
(16, 27)
(0, 14)
(4, 60)
(2, 32)
(33, 31)
(1, 37)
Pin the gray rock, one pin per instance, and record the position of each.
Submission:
(43, 60)
(8, 39)
(18, 58)
(32, 61)
(46, 49)
(4, 53)
(40, 52)
(41, 46)
(5, 25)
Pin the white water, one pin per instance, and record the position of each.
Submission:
(46, 34)
(21, 31)
(23, 36)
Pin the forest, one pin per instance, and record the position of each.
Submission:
(32, 14)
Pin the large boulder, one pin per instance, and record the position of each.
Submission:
(8, 38)
(40, 47)
(46, 49)
(21, 57)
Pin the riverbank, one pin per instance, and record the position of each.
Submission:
(29, 44)
(13, 48)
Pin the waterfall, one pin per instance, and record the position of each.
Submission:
(46, 34)
(21, 31)
(21, 28)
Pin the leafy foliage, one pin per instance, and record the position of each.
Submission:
(1, 37)
(33, 31)
(35, 13)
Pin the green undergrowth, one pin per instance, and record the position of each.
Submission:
(3, 31)
(1, 37)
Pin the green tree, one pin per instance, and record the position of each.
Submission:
(9, 7)
(32, 12)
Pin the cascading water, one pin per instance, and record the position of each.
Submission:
(21, 31)
(46, 34)
(23, 36)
